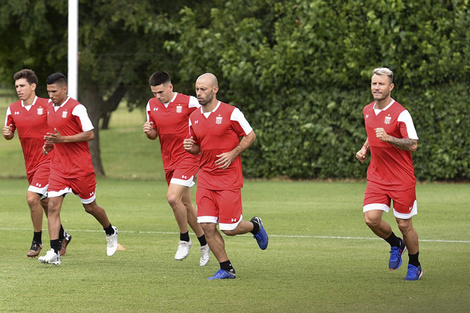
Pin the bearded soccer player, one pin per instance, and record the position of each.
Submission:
(391, 137)
(167, 118)
(215, 130)
(72, 171)
(29, 117)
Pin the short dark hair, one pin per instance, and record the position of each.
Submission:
(159, 78)
(28, 74)
(56, 78)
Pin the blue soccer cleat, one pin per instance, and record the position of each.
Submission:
(396, 256)
(261, 236)
(223, 274)
(414, 272)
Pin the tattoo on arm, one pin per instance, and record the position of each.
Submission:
(406, 144)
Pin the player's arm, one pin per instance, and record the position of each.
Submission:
(150, 131)
(406, 144)
(225, 159)
(8, 133)
(56, 137)
(361, 155)
(191, 147)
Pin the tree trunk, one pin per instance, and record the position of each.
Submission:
(111, 105)
(90, 97)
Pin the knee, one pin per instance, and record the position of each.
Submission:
(32, 200)
(405, 226)
(90, 209)
(172, 199)
(229, 232)
(371, 221)
(208, 228)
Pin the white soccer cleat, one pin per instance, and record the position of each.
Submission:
(183, 249)
(50, 258)
(205, 254)
(112, 242)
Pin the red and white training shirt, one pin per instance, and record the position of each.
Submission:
(218, 132)
(171, 122)
(31, 124)
(390, 167)
(71, 159)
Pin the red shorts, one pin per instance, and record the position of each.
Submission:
(219, 206)
(38, 180)
(183, 175)
(84, 187)
(404, 201)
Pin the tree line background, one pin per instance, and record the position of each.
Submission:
(298, 69)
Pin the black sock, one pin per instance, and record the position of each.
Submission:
(184, 237)
(202, 240)
(393, 240)
(414, 259)
(255, 228)
(227, 266)
(109, 230)
(61, 233)
(37, 237)
(55, 244)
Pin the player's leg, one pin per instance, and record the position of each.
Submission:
(231, 220)
(174, 196)
(53, 221)
(84, 188)
(191, 213)
(217, 246)
(376, 201)
(208, 216)
(405, 207)
(34, 203)
(374, 221)
(37, 190)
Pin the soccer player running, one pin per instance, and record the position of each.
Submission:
(167, 118)
(29, 117)
(72, 171)
(391, 137)
(215, 131)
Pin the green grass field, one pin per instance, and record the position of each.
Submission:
(321, 256)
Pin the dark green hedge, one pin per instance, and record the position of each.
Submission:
(300, 71)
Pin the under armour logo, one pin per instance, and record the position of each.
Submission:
(17, 113)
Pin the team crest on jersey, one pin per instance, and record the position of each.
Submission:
(218, 120)
(179, 109)
(388, 119)
(40, 111)
(64, 114)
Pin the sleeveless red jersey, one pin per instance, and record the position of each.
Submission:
(390, 167)
(171, 123)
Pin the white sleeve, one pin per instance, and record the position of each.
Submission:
(405, 117)
(238, 116)
(82, 114)
(6, 117)
(193, 102)
(147, 109)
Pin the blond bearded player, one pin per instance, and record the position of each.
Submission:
(391, 137)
